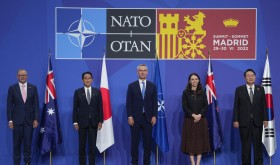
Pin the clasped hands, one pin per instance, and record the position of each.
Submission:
(196, 117)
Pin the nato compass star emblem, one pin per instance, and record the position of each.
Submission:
(161, 109)
(81, 33)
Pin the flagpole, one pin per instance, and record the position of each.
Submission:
(270, 160)
(266, 52)
(157, 155)
(104, 158)
(157, 145)
(214, 157)
(50, 150)
(50, 157)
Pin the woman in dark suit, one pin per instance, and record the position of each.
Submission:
(195, 137)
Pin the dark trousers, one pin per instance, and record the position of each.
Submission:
(248, 135)
(146, 128)
(89, 133)
(22, 133)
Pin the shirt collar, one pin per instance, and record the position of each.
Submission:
(87, 88)
(248, 86)
(140, 81)
(20, 84)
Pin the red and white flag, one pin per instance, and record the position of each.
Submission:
(105, 136)
(269, 132)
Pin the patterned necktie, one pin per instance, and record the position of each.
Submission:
(143, 89)
(251, 94)
(23, 93)
(88, 96)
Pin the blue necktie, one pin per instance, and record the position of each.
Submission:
(143, 89)
(143, 93)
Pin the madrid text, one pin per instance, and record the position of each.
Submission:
(230, 42)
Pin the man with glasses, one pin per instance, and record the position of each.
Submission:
(23, 115)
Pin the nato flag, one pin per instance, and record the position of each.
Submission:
(160, 131)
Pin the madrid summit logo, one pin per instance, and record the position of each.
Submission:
(169, 34)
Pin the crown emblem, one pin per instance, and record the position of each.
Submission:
(231, 22)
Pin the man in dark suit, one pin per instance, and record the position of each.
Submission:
(141, 107)
(23, 115)
(87, 117)
(249, 116)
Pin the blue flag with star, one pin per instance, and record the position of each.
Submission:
(160, 131)
(50, 136)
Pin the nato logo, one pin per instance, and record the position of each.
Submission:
(80, 33)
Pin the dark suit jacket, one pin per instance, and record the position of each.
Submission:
(82, 110)
(20, 112)
(135, 102)
(243, 106)
(194, 103)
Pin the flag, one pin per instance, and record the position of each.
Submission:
(213, 116)
(105, 136)
(50, 136)
(269, 133)
(160, 131)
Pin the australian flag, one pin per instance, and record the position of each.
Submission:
(213, 117)
(50, 136)
(160, 131)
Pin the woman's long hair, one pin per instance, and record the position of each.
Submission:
(189, 85)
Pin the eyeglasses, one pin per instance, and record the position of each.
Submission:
(22, 75)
